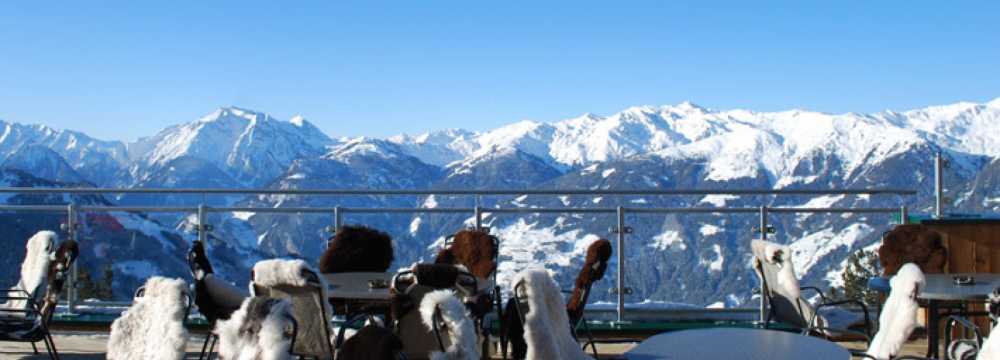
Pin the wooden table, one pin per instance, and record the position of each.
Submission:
(736, 343)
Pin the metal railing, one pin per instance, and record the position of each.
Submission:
(621, 229)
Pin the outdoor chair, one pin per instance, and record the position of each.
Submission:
(444, 314)
(306, 291)
(153, 327)
(539, 307)
(30, 322)
(478, 251)
(784, 302)
(262, 328)
(899, 317)
(216, 299)
(409, 288)
(971, 344)
(372, 342)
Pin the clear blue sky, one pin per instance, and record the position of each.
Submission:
(119, 70)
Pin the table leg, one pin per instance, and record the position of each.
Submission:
(933, 318)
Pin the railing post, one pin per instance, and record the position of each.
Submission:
(621, 264)
(763, 236)
(938, 185)
(338, 219)
(202, 226)
(904, 215)
(71, 229)
(479, 217)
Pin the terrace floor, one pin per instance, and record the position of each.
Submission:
(79, 345)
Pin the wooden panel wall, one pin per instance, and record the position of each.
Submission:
(973, 247)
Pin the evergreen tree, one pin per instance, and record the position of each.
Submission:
(862, 265)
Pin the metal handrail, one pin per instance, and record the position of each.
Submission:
(217, 191)
(620, 212)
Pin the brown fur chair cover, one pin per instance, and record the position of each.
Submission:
(357, 249)
(473, 249)
(372, 342)
(593, 269)
(912, 243)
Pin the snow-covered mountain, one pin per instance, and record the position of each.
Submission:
(250, 147)
(699, 259)
(96, 160)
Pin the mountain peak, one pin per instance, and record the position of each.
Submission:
(995, 103)
(298, 120)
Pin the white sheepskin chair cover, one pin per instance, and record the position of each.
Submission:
(268, 344)
(781, 256)
(899, 316)
(274, 272)
(546, 325)
(153, 327)
(461, 331)
(991, 345)
(34, 268)
(278, 272)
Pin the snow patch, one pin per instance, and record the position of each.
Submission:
(606, 173)
(415, 225)
(715, 264)
(668, 239)
(709, 230)
(717, 200)
(430, 202)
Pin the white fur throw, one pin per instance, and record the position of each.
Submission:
(274, 272)
(34, 268)
(546, 325)
(991, 345)
(153, 327)
(899, 316)
(461, 331)
(781, 256)
(269, 343)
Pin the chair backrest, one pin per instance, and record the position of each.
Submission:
(540, 307)
(58, 272)
(912, 243)
(34, 269)
(444, 315)
(594, 266)
(477, 250)
(899, 315)
(262, 328)
(153, 327)
(416, 283)
(306, 291)
(357, 249)
(780, 288)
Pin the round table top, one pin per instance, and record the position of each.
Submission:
(943, 287)
(736, 343)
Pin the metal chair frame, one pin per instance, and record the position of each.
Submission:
(316, 286)
(36, 317)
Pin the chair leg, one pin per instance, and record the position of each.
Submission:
(204, 346)
(50, 345)
(34, 348)
(211, 348)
